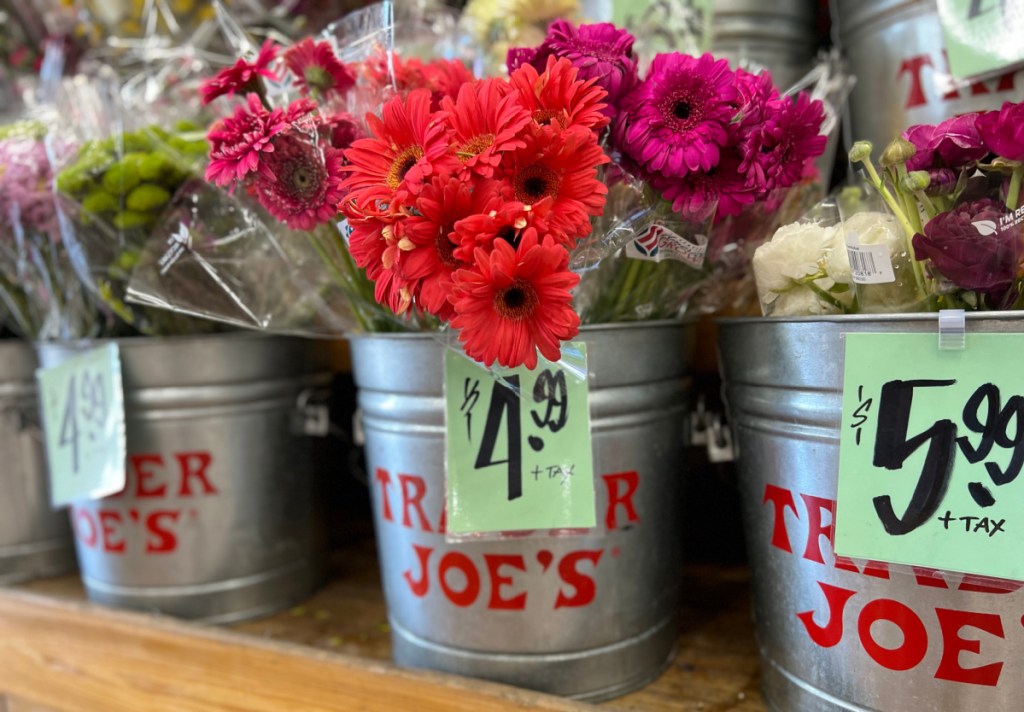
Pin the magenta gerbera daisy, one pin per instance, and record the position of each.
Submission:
(238, 142)
(697, 194)
(241, 78)
(299, 182)
(775, 154)
(317, 69)
(678, 118)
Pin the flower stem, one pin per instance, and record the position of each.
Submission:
(1013, 194)
(929, 207)
(825, 296)
(876, 181)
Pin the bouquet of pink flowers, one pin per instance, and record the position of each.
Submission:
(711, 152)
(941, 229)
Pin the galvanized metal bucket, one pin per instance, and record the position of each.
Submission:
(591, 616)
(35, 541)
(779, 36)
(896, 50)
(219, 519)
(833, 633)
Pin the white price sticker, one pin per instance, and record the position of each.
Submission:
(870, 264)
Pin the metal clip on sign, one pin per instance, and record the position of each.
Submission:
(312, 415)
(710, 430)
(952, 330)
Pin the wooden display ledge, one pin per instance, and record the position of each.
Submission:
(61, 654)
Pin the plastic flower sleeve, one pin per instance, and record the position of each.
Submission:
(38, 287)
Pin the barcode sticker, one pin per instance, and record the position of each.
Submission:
(870, 264)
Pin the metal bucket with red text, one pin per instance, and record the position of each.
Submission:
(896, 50)
(219, 518)
(836, 635)
(35, 541)
(590, 616)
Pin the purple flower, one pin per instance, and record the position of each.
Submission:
(966, 245)
(1003, 131)
(942, 181)
(954, 143)
(677, 119)
(776, 153)
(754, 92)
(26, 194)
(601, 51)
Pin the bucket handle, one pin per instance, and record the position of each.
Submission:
(709, 429)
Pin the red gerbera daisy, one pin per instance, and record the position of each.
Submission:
(318, 70)
(558, 95)
(513, 302)
(485, 122)
(428, 247)
(243, 77)
(237, 142)
(408, 146)
(495, 217)
(560, 166)
(299, 182)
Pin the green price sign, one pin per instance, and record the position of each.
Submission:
(518, 445)
(982, 36)
(83, 420)
(931, 453)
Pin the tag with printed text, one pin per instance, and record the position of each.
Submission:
(82, 403)
(519, 458)
(932, 447)
(659, 244)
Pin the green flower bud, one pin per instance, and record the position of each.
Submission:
(153, 166)
(184, 126)
(916, 181)
(861, 151)
(128, 219)
(121, 177)
(99, 201)
(73, 181)
(139, 141)
(126, 261)
(898, 151)
(146, 198)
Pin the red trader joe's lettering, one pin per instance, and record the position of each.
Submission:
(150, 476)
(913, 68)
(461, 578)
(826, 628)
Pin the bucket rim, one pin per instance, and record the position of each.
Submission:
(443, 336)
(1016, 315)
(178, 339)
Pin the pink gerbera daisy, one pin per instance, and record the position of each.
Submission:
(601, 51)
(512, 302)
(299, 182)
(774, 155)
(318, 70)
(676, 120)
(243, 77)
(558, 95)
(238, 142)
(407, 146)
(485, 122)
(695, 195)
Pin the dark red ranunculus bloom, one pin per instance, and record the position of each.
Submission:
(968, 247)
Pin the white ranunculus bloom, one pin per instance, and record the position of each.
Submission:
(795, 252)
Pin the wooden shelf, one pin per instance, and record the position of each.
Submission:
(59, 653)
